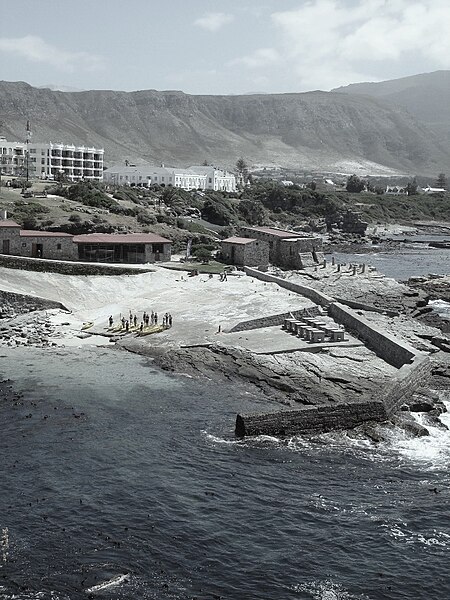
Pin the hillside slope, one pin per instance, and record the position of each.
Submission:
(315, 130)
(425, 96)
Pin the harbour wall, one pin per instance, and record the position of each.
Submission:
(394, 351)
(66, 267)
(273, 320)
(414, 371)
(314, 419)
(303, 290)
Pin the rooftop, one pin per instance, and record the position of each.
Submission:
(120, 238)
(8, 223)
(239, 240)
(36, 233)
(281, 233)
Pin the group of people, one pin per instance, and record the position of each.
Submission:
(148, 319)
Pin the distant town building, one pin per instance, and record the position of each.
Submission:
(96, 247)
(50, 161)
(433, 190)
(190, 178)
(396, 190)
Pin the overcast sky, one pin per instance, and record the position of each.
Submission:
(220, 47)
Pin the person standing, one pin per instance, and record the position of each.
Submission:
(111, 321)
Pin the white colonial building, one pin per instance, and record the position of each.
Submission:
(49, 160)
(191, 178)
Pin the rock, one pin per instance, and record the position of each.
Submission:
(406, 421)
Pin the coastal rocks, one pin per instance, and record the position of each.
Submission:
(28, 329)
(294, 379)
(365, 287)
(436, 287)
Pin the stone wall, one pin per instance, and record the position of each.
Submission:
(53, 247)
(66, 268)
(395, 352)
(405, 382)
(315, 419)
(253, 254)
(273, 320)
(13, 235)
(20, 303)
(303, 290)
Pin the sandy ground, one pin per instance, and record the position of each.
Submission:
(199, 305)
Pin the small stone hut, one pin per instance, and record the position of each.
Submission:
(245, 251)
(287, 249)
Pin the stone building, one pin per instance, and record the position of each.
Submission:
(287, 249)
(35, 244)
(96, 247)
(122, 248)
(245, 251)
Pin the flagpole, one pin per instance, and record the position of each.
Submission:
(28, 148)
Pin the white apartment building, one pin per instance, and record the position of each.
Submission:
(48, 161)
(192, 178)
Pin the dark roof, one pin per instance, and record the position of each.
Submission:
(120, 238)
(8, 223)
(36, 233)
(239, 240)
(272, 231)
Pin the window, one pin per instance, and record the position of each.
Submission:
(58, 246)
(24, 244)
(32, 150)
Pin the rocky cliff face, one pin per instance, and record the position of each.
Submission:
(315, 130)
(425, 96)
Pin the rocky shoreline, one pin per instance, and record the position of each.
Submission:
(335, 375)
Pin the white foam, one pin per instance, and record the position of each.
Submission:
(433, 449)
(107, 584)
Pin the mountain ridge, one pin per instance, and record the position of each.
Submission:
(311, 131)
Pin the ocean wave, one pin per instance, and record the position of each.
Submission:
(327, 590)
(441, 307)
(400, 532)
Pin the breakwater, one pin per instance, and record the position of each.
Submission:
(414, 371)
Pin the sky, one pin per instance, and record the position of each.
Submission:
(220, 47)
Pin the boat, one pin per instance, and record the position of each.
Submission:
(87, 325)
(151, 329)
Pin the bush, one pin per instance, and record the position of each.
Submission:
(20, 183)
(145, 218)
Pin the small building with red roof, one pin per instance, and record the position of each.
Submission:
(94, 247)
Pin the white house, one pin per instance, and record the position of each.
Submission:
(432, 190)
(191, 178)
(48, 160)
(216, 179)
(396, 190)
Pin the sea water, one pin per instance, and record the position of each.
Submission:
(121, 481)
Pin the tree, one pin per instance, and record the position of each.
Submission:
(242, 169)
(252, 212)
(412, 187)
(354, 184)
(203, 254)
(441, 181)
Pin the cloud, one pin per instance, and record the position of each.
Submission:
(35, 49)
(259, 58)
(214, 21)
(326, 43)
